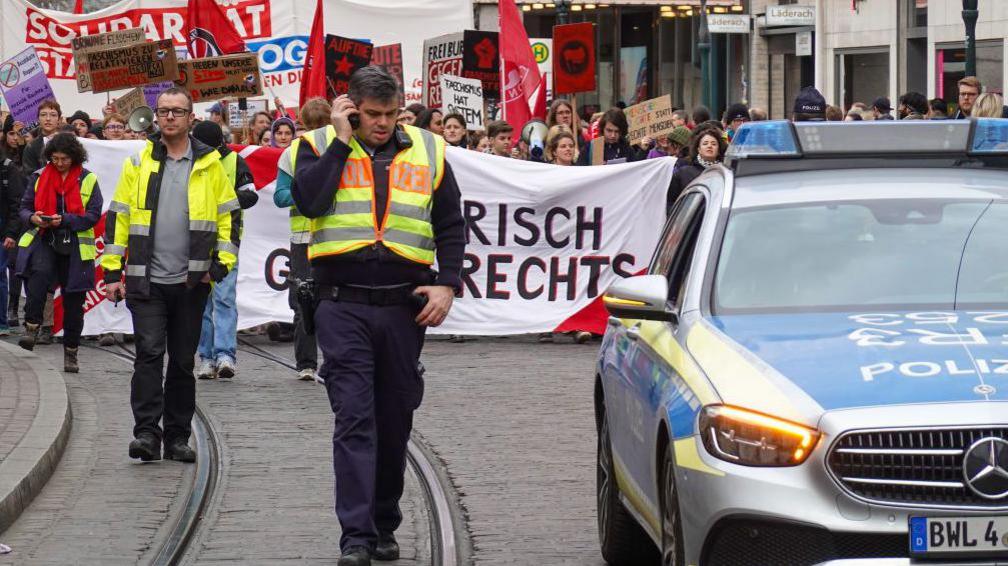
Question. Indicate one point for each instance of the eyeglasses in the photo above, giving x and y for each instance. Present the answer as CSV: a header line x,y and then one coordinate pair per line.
x,y
177,112
968,94
115,127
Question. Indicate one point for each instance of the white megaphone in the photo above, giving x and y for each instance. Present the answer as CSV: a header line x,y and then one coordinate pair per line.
x,y
534,134
141,120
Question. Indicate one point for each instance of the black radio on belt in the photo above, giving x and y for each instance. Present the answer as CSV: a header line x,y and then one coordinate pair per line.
x,y
307,299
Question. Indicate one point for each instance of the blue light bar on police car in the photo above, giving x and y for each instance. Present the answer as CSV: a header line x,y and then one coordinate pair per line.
x,y
775,138
990,135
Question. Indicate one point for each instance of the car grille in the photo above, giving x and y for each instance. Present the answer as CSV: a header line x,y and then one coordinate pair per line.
x,y
910,467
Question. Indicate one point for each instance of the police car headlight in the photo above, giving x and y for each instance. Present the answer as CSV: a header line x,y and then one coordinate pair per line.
x,y
749,438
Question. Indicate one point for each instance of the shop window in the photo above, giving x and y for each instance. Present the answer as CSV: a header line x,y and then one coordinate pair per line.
x,y
864,76
950,61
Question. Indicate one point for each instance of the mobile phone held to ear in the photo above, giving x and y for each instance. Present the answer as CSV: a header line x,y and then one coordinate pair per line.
x,y
354,120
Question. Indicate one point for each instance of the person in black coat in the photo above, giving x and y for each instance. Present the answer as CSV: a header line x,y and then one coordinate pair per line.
x,y
613,146
706,148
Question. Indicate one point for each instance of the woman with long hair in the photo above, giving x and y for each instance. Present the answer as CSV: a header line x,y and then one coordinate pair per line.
x,y
612,145
431,120
706,149
62,204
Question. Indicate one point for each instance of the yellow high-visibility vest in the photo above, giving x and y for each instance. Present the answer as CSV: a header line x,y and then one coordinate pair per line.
x,y
85,238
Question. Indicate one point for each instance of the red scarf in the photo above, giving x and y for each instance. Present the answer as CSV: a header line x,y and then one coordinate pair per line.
x,y
51,183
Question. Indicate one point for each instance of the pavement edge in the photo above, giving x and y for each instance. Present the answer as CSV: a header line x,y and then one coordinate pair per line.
x,y
29,466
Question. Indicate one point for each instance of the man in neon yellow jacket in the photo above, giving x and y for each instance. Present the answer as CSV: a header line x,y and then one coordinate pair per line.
x,y
174,225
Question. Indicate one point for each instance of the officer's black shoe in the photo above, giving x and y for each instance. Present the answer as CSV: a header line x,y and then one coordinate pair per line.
x,y
355,556
387,548
146,447
179,451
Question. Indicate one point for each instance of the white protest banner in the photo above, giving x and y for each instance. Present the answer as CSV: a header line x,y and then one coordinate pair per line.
x,y
544,241
465,97
442,56
24,86
276,30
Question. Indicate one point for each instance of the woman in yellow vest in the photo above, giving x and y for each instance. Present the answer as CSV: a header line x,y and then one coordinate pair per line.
x,y
62,208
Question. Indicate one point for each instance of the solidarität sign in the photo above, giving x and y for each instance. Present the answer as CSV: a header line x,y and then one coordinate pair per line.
x,y
574,58
343,56
24,86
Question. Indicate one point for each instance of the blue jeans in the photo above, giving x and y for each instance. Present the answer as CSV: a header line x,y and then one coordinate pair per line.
x,y
3,287
219,337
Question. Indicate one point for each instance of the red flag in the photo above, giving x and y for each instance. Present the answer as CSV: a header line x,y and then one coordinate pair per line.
x,y
574,58
313,79
79,7
539,108
519,70
208,32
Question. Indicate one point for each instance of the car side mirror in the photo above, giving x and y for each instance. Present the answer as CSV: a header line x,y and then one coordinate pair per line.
x,y
640,297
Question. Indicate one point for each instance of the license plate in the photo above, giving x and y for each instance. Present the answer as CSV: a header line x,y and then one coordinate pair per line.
x,y
947,536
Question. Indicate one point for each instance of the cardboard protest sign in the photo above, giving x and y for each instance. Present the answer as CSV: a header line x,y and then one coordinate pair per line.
x,y
342,57
442,56
133,65
24,86
390,57
84,44
228,76
574,58
127,103
237,118
651,118
464,96
480,50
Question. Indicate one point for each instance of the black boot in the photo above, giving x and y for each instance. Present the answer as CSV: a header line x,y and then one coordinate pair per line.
x,y
146,447
30,336
387,548
179,451
45,336
70,360
355,556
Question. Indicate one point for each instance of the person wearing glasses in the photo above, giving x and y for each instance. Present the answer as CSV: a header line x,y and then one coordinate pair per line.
x,y
61,208
173,225
969,90
114,127
50,117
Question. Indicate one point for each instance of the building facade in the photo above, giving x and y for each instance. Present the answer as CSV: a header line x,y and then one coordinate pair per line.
x,y
851,50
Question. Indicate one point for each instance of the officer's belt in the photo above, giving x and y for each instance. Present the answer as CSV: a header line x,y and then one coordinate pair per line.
x,y
376,296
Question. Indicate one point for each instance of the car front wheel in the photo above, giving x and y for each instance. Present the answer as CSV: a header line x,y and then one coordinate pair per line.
x,y
671,536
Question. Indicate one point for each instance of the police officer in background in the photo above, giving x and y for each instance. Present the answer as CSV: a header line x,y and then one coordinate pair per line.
x,y
384,205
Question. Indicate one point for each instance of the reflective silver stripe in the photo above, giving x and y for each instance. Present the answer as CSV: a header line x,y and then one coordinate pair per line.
x,y
410,239
227,247
198,265
342,234
112,249
139,230
300,238
320,140
246,187
118,207
410,211
135,158
353,207
203,225
227,206
136,270
85,241
429,145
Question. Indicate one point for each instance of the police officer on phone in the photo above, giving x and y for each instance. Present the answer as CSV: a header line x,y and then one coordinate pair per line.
x,y
384,206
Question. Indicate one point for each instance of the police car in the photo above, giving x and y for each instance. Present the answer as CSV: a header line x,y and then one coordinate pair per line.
x,y
814,369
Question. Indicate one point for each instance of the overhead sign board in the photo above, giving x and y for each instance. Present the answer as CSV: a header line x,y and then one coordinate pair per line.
x,y
728,23
790,15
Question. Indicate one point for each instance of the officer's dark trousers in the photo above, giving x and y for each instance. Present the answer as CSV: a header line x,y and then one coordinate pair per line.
x,y
47,270
370,358
169,319
305,346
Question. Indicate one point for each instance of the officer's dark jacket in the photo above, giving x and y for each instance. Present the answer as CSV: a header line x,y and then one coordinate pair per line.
x,y
12,186
316,180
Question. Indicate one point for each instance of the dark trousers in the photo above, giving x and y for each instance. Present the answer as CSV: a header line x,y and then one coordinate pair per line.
x,y
305,345
13,282
169,319
47,270
371,369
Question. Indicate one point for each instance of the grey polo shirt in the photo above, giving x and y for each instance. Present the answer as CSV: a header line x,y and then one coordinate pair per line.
x,y
170,261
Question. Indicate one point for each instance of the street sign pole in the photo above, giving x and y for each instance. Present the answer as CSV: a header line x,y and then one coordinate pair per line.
x,y
970,15
704,45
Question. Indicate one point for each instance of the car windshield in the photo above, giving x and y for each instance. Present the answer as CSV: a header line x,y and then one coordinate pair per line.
x,y
844,255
